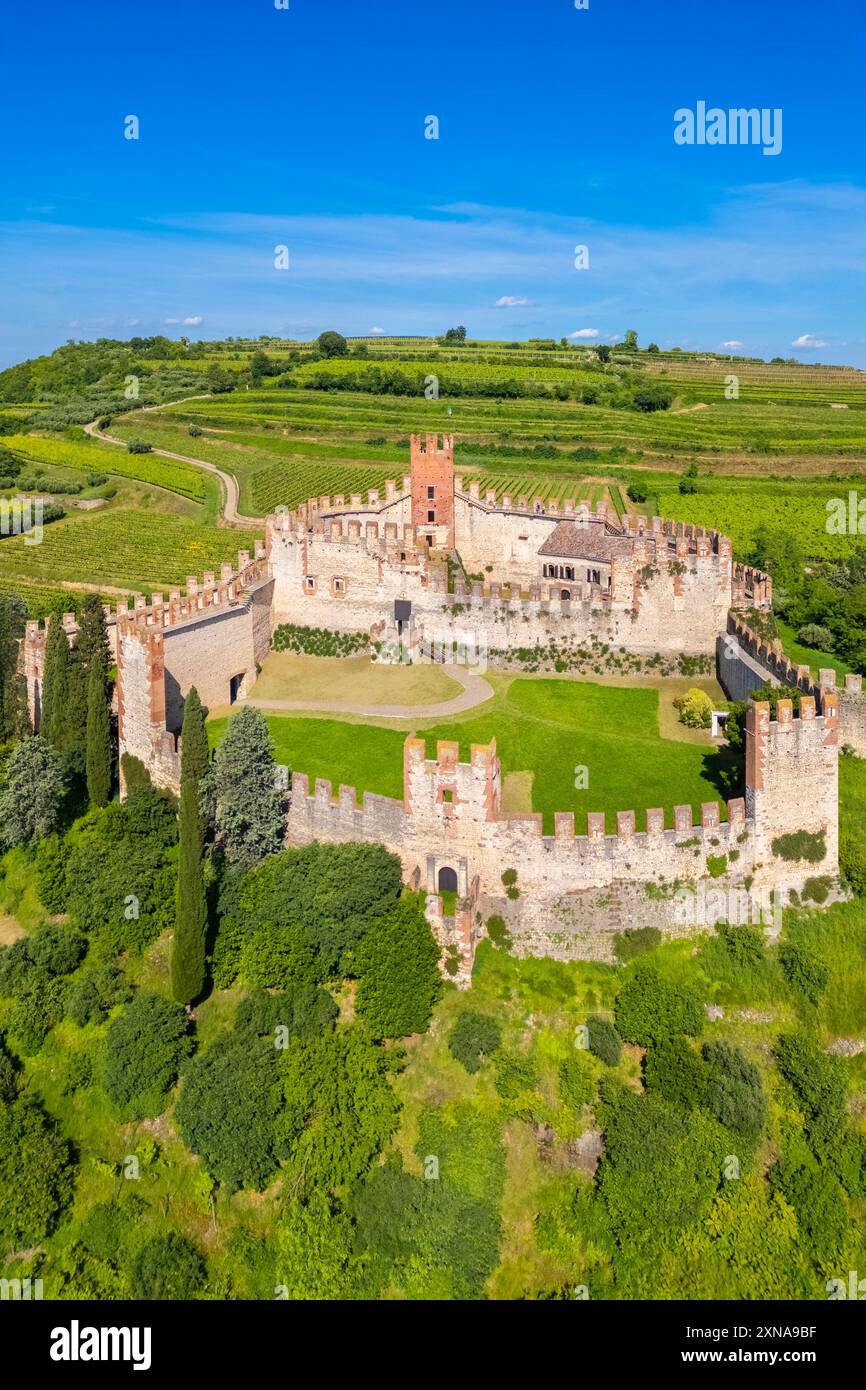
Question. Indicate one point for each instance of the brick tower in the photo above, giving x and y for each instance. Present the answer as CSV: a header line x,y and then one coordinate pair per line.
x,y
433,490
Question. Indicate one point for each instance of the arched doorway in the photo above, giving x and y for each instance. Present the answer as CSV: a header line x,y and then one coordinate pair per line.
x,y
565,594
447,880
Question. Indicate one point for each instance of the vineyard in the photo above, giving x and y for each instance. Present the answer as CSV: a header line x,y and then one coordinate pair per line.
x,y
102,458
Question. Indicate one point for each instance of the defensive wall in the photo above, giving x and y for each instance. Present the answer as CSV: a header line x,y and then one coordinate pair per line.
x,y
450,822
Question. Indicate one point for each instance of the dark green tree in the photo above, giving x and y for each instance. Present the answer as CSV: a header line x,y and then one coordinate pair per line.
x,y
30,800
144,1048
331,344
188,945
98,751
92,637
35,1175
398,964
250,807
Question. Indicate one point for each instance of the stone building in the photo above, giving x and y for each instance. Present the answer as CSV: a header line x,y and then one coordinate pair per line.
x,y
407,561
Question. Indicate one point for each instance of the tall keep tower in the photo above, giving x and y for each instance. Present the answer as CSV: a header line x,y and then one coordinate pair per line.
x,y
433,489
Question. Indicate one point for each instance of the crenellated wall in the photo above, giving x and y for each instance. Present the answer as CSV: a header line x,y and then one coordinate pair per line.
x,y
451,818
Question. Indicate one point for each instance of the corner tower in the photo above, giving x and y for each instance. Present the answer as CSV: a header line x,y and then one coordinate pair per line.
x,y
433,490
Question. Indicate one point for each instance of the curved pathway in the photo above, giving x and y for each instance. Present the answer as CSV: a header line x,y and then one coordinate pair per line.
x,y
229,510
476,690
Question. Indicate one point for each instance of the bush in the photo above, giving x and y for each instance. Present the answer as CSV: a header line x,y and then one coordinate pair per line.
x,y
139,446
194,431
804,971
576,1080
605,1042
498,932
144,1048
513,1074
36,1175
734,1093
818,1081
649,1009
635,941
227,1109
473,1037
677,1072
91,997
695,709
636,492
813,635
398,968
168,1267
802,844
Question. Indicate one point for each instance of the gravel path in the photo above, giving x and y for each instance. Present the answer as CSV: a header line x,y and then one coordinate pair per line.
x,y
231,494
475,691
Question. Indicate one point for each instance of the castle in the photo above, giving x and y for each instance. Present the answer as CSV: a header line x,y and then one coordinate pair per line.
x,y
432,561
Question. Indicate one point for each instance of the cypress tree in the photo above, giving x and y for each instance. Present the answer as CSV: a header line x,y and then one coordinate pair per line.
x,y
56,684
98,749
188,947
92,638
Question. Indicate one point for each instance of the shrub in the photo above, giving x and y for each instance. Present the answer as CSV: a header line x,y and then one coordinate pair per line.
x,y
139,446
695,709
576,1080
513,1073
716,865
144,1047
818,1081
636,492
734,1092
604,1041
36,1175
676,1071
398,966
498,932
635,941
509,878
167,1267
801,844
813,635
804,971
91,997
227,1109
473,1037
650,1009
194,431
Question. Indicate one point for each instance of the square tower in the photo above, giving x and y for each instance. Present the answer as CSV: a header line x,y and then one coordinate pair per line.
x,y
433,490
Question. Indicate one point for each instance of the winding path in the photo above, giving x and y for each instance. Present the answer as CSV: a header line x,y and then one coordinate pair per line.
x,y
229,510
476,690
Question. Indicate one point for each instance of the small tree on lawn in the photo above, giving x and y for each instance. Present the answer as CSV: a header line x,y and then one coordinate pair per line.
x,y
250,807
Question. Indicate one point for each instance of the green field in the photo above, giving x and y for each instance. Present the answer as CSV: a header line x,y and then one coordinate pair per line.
x,y
548,728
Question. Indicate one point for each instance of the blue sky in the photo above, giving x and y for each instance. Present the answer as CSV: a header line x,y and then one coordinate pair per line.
x,y
304,127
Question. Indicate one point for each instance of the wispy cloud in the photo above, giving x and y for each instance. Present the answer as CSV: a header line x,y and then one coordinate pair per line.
x,y
809,340
680,284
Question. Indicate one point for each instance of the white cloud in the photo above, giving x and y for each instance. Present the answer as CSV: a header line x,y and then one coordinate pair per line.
x,y
171,320
584,333
192,320
732,343
808,340
511,301
377,330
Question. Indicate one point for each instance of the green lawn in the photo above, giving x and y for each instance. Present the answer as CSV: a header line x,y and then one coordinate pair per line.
x,y
546,727
809,656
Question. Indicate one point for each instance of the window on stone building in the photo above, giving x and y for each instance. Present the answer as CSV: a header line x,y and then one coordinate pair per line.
x,y
431,516
431,493
339,586
310,582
